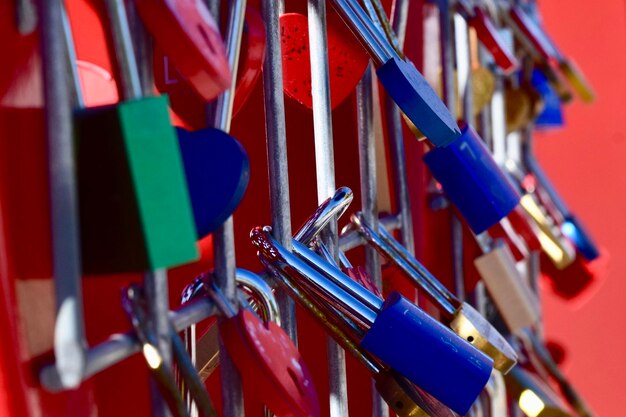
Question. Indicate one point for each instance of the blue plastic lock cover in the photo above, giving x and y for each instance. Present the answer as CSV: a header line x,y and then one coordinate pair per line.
x,y
473,180
575,232
218,171
419,102
552,114
428,353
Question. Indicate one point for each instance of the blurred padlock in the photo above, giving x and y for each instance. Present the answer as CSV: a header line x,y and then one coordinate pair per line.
x,y
217,169
187,33
134,305
523,105
517,304
472,180
489,36
540,352
402,81
552,114
533,396
395,331
463,319
135,211
267,359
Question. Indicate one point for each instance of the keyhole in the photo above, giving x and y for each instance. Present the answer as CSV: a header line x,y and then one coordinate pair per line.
x,y
399,405
205,36
470,339
295,380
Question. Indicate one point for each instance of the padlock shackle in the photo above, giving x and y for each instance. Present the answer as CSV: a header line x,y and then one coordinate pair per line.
x,y
363,28
124,52
332,208
269,250
444,299
332,320
347,284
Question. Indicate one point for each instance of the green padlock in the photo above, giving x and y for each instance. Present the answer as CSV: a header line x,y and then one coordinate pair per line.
x,y
134,205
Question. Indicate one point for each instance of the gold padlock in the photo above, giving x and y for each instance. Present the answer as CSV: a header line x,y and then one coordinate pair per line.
x,y
522,106
553,243
534,397
577,80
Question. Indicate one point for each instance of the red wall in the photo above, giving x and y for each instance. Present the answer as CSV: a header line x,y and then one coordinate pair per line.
x,y
586,161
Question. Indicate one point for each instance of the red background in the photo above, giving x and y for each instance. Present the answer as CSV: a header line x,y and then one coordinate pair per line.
x,y
586,162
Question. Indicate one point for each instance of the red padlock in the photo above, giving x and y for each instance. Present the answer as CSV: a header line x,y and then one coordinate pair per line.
x,y
187,33
270,364
185,102
347,59
493,42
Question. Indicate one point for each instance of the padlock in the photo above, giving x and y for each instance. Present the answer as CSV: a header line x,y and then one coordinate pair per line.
x,y
472,180
463,319
533,396
267,359
559,250
552,114
217,169
402,81
185,102
347,60
160,369
187,33
523,105
575,232
134,205
489,36
396,331
537,349
517,304
403,398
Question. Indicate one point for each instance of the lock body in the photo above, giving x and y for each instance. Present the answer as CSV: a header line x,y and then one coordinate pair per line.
x,y
135,209
472,180
217,171
418,101
428,353
515,301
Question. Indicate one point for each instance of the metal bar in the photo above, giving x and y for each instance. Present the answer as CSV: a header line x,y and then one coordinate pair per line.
x,y
360,24
396,142
26,16
223,237
77,93
367,166
123,345
277,151
325,169
69,334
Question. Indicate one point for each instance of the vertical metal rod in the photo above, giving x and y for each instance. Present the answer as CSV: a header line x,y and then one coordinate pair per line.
x,y
224,239
396,142
77,93
276,134
69,332
447,83
367,165
155,282
325,169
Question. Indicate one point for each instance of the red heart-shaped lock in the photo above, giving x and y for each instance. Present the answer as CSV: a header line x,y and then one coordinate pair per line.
x,y
347,59
270,365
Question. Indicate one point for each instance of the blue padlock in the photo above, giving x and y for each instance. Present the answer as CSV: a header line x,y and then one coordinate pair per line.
x,y
218,171
418,101
402,81
552,114
398,333
575,232
473,181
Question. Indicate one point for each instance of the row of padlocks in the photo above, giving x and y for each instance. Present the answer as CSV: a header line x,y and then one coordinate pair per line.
x,y
177,236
